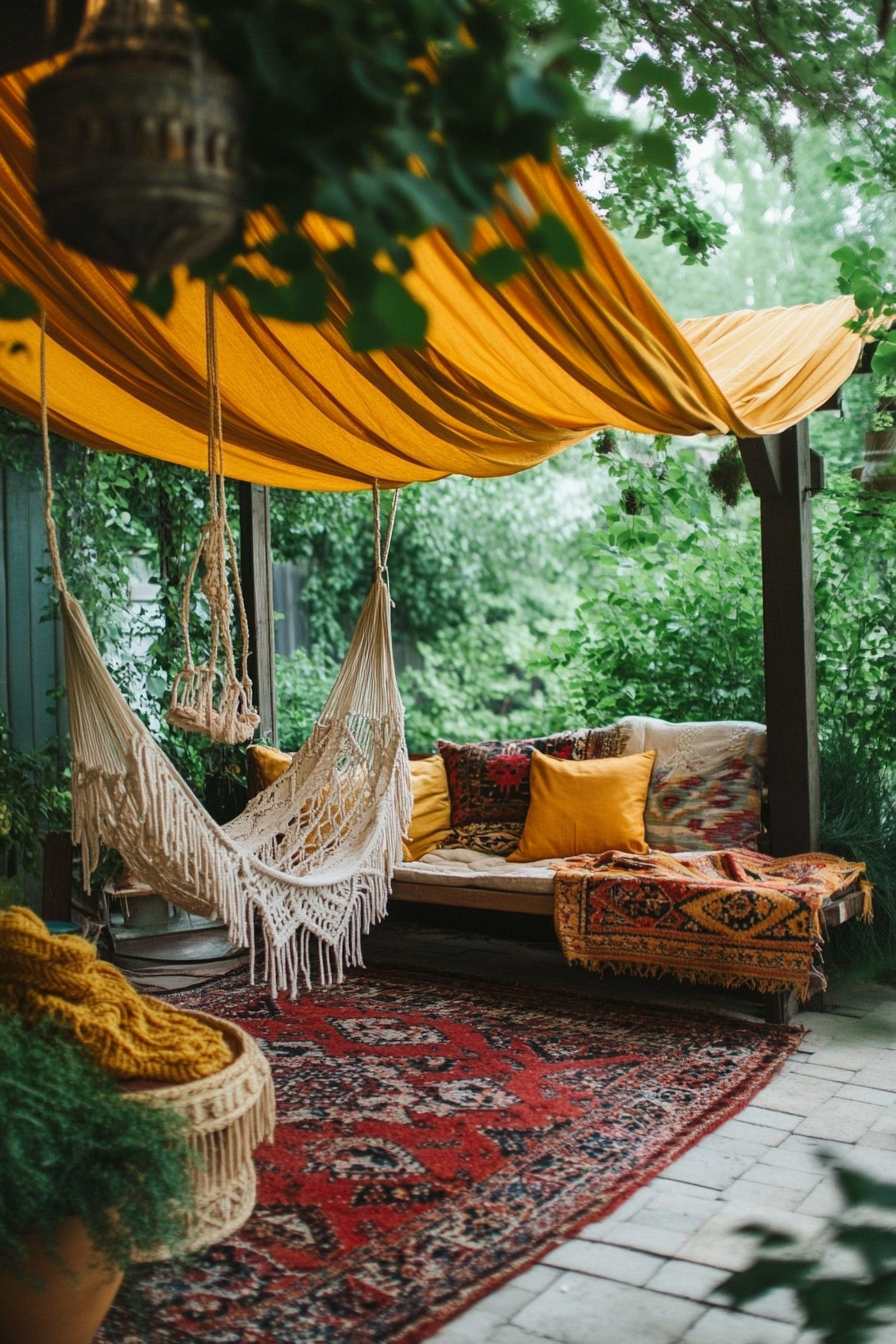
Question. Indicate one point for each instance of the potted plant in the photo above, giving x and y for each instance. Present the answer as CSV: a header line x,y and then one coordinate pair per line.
x,y
35,802
878,471
88,1176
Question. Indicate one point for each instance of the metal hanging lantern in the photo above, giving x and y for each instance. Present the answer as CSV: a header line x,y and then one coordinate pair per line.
x,y
139,146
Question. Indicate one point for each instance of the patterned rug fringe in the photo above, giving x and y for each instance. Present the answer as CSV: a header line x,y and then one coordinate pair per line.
x,y
867,914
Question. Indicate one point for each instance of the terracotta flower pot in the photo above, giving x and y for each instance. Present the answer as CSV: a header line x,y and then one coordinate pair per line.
x,y
70,1303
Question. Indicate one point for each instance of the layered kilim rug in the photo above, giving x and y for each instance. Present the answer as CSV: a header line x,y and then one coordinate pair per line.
x,y
723,917
436,1136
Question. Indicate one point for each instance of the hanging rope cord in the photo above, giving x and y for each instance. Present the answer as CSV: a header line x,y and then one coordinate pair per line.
x,y
193,694
217,544
380,547
49,524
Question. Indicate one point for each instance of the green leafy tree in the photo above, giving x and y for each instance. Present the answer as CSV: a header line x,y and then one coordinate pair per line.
x,y
671,618
482,573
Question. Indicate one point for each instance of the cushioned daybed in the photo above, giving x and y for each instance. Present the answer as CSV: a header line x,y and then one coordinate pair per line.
x,y
665,818
473,808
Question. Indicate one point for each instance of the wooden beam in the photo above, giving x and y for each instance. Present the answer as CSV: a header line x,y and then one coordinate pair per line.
x,y
473,898
762,462
789,639
833,403
258,593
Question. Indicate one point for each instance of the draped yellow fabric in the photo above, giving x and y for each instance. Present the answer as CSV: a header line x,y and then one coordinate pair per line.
x,y
507,378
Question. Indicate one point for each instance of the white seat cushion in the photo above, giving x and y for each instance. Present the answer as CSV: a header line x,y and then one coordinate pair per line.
x,y
470,868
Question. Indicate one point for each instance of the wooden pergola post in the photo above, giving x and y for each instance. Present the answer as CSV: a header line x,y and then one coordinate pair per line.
x,y
785,472
258,593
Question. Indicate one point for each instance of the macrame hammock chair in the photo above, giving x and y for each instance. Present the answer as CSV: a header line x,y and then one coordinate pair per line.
x,y
312,856
193,708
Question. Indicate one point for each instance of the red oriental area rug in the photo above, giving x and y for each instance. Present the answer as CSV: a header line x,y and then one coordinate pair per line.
x,y
436,1136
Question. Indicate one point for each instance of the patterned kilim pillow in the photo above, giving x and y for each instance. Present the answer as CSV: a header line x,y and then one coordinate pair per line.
x,y
706,787
489,782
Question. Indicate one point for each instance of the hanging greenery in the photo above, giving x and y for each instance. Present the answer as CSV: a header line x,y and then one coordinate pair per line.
x,y
34,798
402,116
726,477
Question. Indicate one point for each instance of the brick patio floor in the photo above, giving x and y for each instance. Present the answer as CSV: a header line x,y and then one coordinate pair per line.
x,y
647,1274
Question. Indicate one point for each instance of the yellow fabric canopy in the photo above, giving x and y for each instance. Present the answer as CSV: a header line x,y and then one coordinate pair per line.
x,y
508,376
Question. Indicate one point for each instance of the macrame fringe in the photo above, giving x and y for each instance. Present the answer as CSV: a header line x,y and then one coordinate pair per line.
x,y
867,901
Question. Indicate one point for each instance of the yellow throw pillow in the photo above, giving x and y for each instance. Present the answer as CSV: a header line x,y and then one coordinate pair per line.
x,y
585,807
265,766
431,817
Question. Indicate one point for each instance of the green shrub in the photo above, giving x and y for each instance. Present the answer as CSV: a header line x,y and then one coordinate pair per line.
x,y
855,620
858,821
484,680
304,680
73,1146
33,798
670,622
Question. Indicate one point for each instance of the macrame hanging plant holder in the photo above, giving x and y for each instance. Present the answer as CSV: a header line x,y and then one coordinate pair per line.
x,y
209,697
310,860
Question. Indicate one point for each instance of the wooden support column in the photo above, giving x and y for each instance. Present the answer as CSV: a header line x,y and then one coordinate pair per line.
x,y
258,593
784,473
56,898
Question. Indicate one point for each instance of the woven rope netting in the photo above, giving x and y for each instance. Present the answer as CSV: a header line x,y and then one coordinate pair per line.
x,y
207,698
312,855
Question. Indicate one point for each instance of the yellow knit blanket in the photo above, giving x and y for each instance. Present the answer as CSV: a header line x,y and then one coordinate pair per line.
x,y
130,1035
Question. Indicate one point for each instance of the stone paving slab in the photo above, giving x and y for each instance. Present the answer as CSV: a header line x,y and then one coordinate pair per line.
x,y
732,1327
579,1309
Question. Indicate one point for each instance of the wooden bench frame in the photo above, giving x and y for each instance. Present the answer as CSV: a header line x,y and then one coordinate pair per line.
x,y
779,1007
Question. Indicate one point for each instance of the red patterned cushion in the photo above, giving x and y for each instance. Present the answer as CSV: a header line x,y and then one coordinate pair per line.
x,y
489,782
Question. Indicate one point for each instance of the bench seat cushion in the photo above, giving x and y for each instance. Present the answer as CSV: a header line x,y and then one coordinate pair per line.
x,y
470,868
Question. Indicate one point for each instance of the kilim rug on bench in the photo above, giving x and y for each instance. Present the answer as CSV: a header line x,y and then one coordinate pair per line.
x,y
732,917
437,1135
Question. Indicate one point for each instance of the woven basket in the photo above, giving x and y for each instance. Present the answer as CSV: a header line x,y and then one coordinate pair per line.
x,y
229,1114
